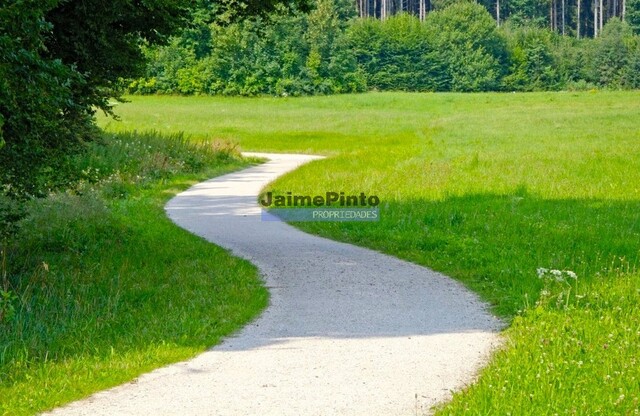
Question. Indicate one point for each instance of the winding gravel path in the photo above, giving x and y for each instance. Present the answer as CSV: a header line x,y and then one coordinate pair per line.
x,y
349,331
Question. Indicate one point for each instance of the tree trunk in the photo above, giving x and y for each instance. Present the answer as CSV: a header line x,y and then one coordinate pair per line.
x,y
563,1
601,15
595,18
498,12
578,22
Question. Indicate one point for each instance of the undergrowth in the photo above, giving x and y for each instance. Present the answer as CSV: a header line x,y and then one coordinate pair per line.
x,y
98,286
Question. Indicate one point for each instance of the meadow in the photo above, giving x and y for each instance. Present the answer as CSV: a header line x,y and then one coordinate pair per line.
x,y
98,286
489,189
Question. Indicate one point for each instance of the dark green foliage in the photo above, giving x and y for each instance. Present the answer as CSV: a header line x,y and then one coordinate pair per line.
x,y
633,68
284,54
59,61
633,15
533,65
528,12
396,54
571,60
42,117
10,212
611,54
102,39
226,11
457,48
467,40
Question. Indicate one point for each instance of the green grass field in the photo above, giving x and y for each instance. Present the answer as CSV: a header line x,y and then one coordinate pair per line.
x,y
486,188
107,287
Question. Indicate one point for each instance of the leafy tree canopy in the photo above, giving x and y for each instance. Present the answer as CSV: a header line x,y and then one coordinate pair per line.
x,y
62,59
101,39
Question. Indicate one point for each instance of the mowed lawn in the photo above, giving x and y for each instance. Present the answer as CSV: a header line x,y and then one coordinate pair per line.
x,y
486,188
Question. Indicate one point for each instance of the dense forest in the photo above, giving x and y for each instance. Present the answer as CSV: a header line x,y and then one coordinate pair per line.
x,y
338,46
569,17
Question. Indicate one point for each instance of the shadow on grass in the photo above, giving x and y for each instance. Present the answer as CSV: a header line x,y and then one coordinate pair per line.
x,y
495,243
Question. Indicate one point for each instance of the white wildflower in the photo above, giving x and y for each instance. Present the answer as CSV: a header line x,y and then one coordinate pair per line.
x,y
572,275
557,274
541,272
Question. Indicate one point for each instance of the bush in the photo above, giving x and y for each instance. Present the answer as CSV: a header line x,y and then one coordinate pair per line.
x,y
395,54
10,212
532,64
464,37
59,61
284,54
327,51
632,76
611,54
572,58
633,15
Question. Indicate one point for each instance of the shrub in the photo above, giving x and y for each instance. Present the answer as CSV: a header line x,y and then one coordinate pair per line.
x,y
59,61
465,39
395,54
10,212
282,54
611,54
532,63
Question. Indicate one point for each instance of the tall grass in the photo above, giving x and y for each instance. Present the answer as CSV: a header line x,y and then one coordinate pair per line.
x,y
103,286
581,359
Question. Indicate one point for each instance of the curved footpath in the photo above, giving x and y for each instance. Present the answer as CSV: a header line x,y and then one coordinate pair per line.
x,y
349,331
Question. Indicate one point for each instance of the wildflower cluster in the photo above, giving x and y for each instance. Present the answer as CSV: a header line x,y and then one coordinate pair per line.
x,y
558,285
557,275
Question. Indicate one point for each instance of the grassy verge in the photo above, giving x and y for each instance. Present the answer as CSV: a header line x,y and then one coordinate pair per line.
x,y
486,188
105,286
581,359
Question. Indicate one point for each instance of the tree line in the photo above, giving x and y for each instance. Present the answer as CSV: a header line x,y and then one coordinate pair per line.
x,y
331,49
577,18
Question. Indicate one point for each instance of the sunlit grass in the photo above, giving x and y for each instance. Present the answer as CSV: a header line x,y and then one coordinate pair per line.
x,y
582,360
107,286
484,187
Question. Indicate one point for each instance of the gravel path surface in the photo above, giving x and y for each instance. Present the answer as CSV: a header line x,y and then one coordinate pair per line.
x,y
349,331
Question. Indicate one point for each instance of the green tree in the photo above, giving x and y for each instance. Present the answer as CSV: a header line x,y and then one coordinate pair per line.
x,y
59,60
40,114
396,54
533,66
528,12
465,38
611,54
328,59
102,39
633,15
228,11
